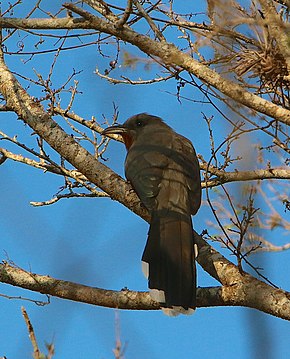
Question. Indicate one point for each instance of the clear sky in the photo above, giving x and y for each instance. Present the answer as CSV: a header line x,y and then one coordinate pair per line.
x,y
99,242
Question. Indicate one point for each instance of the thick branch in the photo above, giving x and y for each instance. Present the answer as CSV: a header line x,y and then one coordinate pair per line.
x,y
124,299
70,23
172,56
238,289
33,114
45,24
167,52
241,288
236,176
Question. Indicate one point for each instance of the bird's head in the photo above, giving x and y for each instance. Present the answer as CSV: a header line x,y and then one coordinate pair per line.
x,y
134,127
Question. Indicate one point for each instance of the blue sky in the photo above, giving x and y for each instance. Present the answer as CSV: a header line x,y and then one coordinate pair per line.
x,y
99,242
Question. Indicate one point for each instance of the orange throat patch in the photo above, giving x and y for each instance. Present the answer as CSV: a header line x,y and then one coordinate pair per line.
x,y
128,140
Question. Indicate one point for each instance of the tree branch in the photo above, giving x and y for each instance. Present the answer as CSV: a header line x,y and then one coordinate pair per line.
x,y
126,14
236,176
238,289
167,52
33,114
172,56
242,289
65,23
151,23
36,351
277,28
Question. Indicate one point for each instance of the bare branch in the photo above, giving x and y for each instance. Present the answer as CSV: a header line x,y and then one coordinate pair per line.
x,y
126,14
40,165
32,113
103,8
45,24
68,195
226,177
171,55
36,351
238,289
128,81
151,23
89,124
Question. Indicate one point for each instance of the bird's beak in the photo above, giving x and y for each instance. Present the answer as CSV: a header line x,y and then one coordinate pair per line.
x,y
114,130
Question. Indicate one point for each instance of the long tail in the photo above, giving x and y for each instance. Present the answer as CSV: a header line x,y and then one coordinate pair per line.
x,y
170,255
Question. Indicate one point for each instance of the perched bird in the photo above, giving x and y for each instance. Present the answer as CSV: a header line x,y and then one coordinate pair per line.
x,y
163,169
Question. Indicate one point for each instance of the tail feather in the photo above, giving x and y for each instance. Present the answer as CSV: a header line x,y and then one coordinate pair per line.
x,y
170,255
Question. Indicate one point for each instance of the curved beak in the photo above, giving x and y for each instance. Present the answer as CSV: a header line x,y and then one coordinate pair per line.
x,y
114,130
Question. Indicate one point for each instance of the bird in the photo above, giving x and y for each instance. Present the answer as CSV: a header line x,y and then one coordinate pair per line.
x,y
163,169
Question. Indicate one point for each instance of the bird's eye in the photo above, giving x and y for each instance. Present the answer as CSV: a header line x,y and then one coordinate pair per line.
x,y
139,123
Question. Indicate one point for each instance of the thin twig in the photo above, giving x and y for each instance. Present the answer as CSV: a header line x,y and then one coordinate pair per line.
x,y
126,15
151,23
69,195
36,351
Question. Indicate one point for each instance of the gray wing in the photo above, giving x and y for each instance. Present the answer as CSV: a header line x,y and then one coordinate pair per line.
x,y
152,167
187,159
144,168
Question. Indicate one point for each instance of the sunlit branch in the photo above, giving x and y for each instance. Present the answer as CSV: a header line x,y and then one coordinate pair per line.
x,y
128,81
58,197
171,55
237,290
261,174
